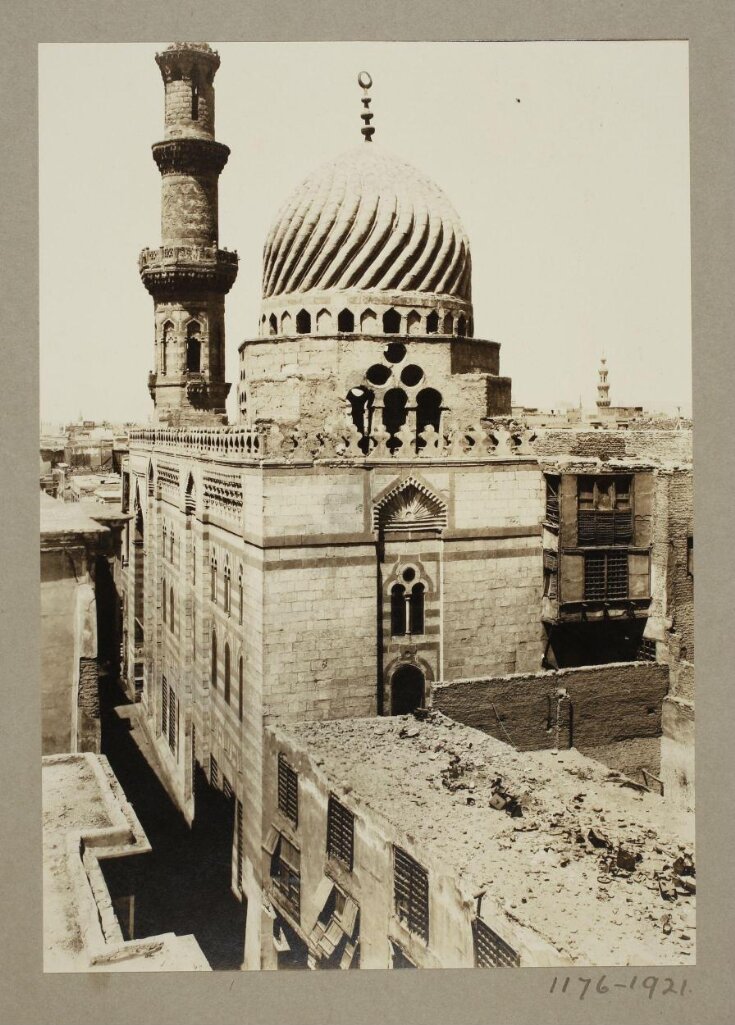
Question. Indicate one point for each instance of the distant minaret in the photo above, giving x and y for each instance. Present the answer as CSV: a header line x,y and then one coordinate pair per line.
x,y
603,388
189,276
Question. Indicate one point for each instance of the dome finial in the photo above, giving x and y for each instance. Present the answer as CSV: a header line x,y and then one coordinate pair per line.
x,y
365,82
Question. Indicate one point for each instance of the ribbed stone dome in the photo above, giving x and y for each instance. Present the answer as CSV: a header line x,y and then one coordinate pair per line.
x,y
367,222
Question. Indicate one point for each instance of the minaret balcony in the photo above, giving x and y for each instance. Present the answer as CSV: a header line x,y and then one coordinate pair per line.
x,y
170,271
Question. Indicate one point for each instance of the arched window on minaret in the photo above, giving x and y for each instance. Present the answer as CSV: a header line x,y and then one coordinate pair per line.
x,y
194,96
193,347
167,339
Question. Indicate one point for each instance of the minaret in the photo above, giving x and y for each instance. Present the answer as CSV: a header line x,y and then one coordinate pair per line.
x,y
603,388
189,276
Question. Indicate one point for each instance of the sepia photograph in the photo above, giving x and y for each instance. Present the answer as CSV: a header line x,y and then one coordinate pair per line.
x,y
366,506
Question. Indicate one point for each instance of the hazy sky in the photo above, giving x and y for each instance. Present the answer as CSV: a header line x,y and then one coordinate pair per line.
x,y
567,162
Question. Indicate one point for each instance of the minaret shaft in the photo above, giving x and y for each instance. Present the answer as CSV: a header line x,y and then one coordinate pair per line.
x,y
188,276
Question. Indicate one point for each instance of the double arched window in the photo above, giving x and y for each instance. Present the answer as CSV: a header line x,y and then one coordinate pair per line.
x,y
407,601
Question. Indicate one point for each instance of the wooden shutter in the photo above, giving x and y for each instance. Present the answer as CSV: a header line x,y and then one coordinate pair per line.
x,y
644,494
571,582
568,511
639,575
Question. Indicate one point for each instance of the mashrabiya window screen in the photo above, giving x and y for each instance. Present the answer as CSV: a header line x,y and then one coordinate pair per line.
x,y
605,575
490,950
288,790
411,893
340,832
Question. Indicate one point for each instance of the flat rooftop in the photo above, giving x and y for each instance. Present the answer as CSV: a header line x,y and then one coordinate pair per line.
x,y
86,817
59,517
555,869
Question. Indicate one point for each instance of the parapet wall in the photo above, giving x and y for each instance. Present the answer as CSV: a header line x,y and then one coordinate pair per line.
x,y
662,445
611,712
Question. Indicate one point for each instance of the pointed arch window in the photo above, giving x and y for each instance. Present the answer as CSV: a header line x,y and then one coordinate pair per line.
x,y
227,674
391,322
303,322
345,322
193,347
398,611
228,579
416,609
171,610
167,339
213,580
164,598
214,660
240,600
239,689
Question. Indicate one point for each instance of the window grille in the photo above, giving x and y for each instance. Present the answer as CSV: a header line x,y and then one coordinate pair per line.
x,y
164,705
227,788
173,720
213,771
286,874
490,950
288,790
340,832
239,845
647,650
411,893
605,575
552,499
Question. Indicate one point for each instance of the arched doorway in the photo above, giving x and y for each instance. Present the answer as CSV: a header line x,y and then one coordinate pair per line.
x,y
406,690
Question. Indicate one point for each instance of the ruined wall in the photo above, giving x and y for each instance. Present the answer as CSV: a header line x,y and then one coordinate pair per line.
x,y
612,712
677,741
664,445
680,581
69,682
